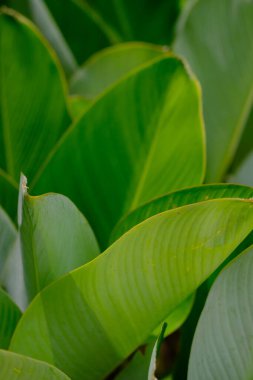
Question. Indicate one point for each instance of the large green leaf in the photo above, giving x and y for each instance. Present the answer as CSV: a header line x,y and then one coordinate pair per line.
x,y
135,284
56,238
223,342
18,367
9,316
216,38
74,29
106,67
177,199
33,113
143,138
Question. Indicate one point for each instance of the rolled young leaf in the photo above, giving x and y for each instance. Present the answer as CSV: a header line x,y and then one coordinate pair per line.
x,y
223,341
141,139
213,36
112,304
18,367
34,116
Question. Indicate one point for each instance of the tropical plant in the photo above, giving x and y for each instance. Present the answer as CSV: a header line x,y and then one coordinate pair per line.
x,y
137,260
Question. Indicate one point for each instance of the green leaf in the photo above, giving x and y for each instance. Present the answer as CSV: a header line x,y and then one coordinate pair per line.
x,y
178,199
143,138
223,342
108,66
213,36
34,116
18,367
142,20
112,304
8,194
56,238
74,29
9,316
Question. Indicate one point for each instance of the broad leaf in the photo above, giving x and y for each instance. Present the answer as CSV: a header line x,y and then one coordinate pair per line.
x,y
9,316
18,367
77,105
108,66
223,342
135,284
34,116
216,38
141,139
177,199
56,238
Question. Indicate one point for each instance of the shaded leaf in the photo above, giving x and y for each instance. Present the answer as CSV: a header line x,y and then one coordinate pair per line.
x,y
176,251
155,353
9,316
8,194
223,343
215,54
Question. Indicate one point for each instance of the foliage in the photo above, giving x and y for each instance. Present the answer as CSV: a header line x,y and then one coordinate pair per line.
x,y
128,112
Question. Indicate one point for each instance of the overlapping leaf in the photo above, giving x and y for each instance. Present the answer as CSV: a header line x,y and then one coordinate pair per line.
x,y
108,66
143,138
216,38
180,198
223,342
135,284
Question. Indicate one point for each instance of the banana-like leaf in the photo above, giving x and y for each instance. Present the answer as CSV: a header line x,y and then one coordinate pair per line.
x,y
56,238
74,29
213,36
112,304
18,367
108,66
223,342
177,199
143,138
33,116
8,194
9,316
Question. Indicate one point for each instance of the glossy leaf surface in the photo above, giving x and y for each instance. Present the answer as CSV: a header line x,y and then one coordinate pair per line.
x,y
216,39
156,148
136,283
223,343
